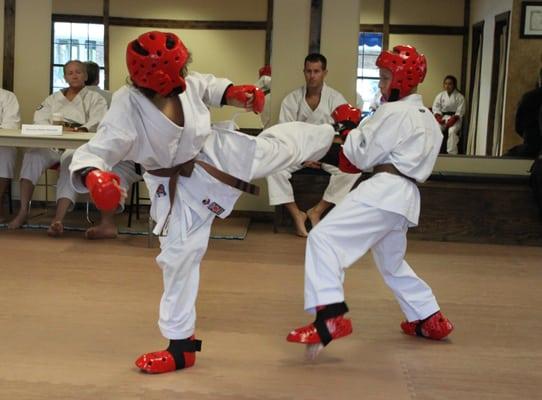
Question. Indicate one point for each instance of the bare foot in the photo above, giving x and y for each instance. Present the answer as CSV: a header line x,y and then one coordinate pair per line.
x,y
56,229
313,216
312,351
101,232
18,221
299,222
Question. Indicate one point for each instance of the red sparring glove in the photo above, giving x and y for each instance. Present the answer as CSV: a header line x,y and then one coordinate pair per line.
x,y
451,121
246,96
346,118
104,189
438,117
345,165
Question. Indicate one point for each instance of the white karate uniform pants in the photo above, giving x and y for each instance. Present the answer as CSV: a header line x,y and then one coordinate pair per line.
x,y
281,191
453,135
64,189
345,235
188,234
36,161
7,162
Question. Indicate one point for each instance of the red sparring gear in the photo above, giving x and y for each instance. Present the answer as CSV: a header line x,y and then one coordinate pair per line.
x,y
240,95
438,117
345,165
155,61
104,189
265,70
347,117
338,327
436,327
407,66
159,362
451,121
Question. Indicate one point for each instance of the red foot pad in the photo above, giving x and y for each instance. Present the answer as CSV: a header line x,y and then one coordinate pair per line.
x,y
435,327
338,327
157,362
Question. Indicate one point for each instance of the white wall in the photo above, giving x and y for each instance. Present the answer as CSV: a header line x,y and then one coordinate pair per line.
x,y
485,10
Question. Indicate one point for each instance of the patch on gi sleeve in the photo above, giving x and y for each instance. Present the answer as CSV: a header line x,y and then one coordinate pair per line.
x,y
215,208
160,191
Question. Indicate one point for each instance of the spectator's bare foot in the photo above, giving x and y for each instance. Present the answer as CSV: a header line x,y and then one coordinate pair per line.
x,y
18,221
313,216
56,229
101,231
299,222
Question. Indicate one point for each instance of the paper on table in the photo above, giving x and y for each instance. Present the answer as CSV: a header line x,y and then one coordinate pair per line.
x,y
41,130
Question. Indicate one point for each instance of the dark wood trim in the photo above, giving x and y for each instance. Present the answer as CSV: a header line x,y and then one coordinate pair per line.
x,y
162,23
315,29
465,49
386,26
8,70
106,42
415,29
269,32
501,21
84,19
188,24
477,36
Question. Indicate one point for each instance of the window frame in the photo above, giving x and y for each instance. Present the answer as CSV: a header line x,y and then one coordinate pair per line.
x,y
361,77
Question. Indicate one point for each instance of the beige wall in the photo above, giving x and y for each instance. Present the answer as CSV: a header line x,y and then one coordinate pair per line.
x,y
339,43
87,7
442,60
523,67
371,11
423,12
32,54
236,10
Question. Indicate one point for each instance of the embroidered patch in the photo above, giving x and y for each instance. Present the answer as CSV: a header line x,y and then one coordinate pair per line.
x,y
161,191
215,208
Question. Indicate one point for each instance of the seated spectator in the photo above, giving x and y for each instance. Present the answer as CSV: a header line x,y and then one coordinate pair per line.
x,y
449,110
9,119
81,110
313,103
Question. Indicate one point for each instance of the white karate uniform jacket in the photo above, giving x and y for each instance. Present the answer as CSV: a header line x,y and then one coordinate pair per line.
x,y
9,119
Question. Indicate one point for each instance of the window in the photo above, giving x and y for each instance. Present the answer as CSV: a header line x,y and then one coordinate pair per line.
x,y
76,41
369,47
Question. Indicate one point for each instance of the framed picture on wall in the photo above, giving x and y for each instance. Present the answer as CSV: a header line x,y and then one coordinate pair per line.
x,y
531,20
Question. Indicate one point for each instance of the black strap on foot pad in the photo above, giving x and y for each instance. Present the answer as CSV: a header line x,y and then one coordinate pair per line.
x,y
420,325
329,311
177,347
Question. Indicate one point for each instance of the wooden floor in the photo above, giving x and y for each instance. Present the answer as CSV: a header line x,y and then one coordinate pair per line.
x,y
75,314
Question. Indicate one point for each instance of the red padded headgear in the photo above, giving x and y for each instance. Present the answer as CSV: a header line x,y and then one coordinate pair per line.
x,y
265,70
407,66
155,61
347,112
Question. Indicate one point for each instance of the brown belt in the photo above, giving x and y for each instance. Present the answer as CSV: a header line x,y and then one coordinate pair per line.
x,y
390,169
186,169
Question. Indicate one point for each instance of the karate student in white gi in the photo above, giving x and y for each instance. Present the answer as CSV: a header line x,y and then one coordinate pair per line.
x,y
311,103
80,110
449,110
400,142
106,228
9,119
193,172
